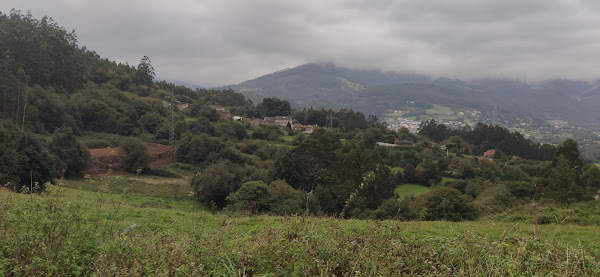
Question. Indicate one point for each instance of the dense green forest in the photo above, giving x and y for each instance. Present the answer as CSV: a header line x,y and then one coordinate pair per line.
x,y
58,99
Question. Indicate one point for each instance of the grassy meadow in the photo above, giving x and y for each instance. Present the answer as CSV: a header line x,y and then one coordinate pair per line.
x,y
407,189
90,228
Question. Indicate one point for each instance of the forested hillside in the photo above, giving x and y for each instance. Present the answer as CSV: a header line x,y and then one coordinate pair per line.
x,y
58,99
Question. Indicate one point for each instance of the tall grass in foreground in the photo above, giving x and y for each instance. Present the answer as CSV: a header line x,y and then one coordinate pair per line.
x,y
98,235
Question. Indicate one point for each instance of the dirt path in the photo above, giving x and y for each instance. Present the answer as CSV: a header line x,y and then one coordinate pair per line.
x,y
105,161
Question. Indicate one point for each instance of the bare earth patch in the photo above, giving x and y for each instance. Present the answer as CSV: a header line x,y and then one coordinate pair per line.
x,y
105,161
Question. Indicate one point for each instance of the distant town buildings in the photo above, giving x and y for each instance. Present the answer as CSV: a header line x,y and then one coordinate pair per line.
x,y
463,118
558,123
400,123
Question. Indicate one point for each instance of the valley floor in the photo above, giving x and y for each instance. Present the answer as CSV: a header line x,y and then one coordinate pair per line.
x,y
72,230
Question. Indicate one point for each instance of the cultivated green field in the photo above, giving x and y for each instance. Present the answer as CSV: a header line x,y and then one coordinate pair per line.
x,y
87,229
438,110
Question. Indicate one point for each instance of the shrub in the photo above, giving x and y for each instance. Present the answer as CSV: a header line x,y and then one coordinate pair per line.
x,y
251,194
531,170
591,177
25,160
10,157
460,185
359,209
286,199
74,156
513,173
134,154
100,140
216,182
427,173
198,149
152,122
444,203
473,188
521,190
496,199
410,207
388,209
182,166
273,135
160,172
91,144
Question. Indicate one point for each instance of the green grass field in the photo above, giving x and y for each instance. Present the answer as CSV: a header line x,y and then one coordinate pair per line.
x,y
175,188
438,109
287,139
86,229
446,180
407,189
189,119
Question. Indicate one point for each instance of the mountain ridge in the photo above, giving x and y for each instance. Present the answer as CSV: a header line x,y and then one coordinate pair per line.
x,y
331,86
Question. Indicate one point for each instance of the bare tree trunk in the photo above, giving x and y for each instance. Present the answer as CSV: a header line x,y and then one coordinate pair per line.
x,y
24,107
18,99
4,104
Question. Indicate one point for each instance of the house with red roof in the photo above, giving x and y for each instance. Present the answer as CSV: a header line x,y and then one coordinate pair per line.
x,y
490,153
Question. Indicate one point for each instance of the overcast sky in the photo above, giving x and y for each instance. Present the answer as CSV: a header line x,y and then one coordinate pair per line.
x,y
221,42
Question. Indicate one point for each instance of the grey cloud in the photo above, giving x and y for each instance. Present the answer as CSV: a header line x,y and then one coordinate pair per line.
x,y
221,42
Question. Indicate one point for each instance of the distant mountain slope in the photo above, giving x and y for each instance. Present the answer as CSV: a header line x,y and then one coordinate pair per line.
x,y
372,92
320,86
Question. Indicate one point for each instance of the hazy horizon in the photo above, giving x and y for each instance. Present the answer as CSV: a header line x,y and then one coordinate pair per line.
x,y
216,43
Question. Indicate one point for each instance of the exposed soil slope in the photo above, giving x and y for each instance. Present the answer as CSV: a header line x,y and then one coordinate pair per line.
x,y
105,161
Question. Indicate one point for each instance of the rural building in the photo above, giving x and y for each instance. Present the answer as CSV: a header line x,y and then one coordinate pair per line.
x,y
281,121
179,105
257,122
221,112
385,144
489,154
307,129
